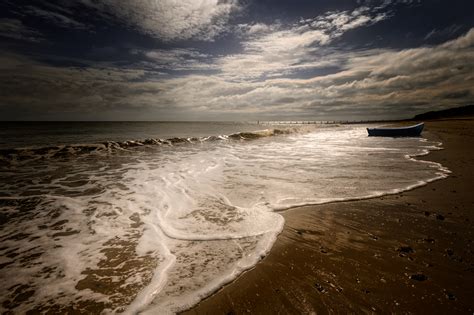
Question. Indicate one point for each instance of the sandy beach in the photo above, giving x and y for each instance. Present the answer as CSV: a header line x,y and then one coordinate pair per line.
x,y
404,253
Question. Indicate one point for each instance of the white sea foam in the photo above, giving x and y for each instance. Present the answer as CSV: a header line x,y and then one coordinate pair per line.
x,y
189,218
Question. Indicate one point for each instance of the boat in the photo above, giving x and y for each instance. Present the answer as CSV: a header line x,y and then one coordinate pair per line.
x,y
409,131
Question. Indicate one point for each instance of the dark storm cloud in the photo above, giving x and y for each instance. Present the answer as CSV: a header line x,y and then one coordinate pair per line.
x,y
15,29
233,59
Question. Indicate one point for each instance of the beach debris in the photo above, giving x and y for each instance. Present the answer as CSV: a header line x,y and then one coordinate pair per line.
x,y
418,277
323,249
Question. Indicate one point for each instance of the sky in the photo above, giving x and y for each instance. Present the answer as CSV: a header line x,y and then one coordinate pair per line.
x,y
234,59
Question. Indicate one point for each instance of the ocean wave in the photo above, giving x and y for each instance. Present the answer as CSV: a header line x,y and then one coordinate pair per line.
x,y
27,154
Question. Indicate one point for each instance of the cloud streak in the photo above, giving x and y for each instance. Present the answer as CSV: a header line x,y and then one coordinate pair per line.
x,y
15,29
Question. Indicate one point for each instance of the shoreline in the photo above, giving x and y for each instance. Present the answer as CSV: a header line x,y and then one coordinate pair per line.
x,y
327,256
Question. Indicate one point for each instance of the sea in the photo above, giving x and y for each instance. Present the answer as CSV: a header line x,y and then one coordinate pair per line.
x,y
152,217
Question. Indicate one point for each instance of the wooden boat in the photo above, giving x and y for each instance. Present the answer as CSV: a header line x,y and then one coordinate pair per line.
x,y
410,131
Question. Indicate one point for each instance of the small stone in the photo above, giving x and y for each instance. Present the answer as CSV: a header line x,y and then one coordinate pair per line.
x,y
320,288
418,277
427,213
450,295
405,250
440,217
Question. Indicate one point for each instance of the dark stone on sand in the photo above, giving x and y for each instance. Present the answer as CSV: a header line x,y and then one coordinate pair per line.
x,y
429,240
449,251
405,250
418,277
450,295
440,217
427,213
320,288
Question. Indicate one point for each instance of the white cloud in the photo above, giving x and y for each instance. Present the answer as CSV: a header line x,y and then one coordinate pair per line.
x,y
256,29
273,50
170,19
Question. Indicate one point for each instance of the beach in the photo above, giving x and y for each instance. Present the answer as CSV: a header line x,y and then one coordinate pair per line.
x,y
158,225
409,252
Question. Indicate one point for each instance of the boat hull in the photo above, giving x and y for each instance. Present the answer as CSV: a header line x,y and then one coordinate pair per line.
x,y
410,131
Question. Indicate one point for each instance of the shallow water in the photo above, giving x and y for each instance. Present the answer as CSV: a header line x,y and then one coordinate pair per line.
x,y
155,226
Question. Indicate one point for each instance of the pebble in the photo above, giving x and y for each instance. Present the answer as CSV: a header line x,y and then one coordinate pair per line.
x,y
320,288
418,277
450,295
405,250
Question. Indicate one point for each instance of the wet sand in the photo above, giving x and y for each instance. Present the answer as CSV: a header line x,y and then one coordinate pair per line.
x,y
405,253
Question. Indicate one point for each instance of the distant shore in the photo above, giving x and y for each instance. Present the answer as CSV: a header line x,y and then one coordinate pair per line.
x,y
409,252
